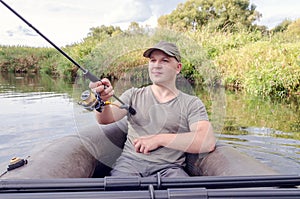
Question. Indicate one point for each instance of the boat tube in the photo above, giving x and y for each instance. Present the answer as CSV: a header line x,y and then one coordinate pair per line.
x,y
94,149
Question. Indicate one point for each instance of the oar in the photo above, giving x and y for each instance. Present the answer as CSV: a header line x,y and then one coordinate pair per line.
x,y
199,193
139,183
86,73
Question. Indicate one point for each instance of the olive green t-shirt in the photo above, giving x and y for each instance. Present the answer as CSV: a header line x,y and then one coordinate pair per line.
x,y
152,117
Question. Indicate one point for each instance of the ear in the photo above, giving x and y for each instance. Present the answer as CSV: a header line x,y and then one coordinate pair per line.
x,y
179,67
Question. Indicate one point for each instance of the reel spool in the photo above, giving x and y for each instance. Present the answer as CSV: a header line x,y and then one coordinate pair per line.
x,y
88,100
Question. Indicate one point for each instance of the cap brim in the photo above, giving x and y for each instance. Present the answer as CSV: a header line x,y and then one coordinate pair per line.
x,y
148,52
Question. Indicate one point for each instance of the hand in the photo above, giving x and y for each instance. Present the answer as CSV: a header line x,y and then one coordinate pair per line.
x,y
145,144
103,88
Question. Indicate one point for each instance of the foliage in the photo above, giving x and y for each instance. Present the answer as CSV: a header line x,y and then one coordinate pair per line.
x,y
282,26
119,54
218,14
264,68
293,30
217,43
224,46
22,59
27,59
101,33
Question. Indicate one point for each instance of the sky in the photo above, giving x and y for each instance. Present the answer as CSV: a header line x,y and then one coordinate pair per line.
x,y
67,22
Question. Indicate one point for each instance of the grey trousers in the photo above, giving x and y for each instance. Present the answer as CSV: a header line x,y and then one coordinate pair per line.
x,y
126,166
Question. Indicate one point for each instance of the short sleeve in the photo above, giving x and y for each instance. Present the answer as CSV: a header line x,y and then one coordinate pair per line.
x,y
126,96
197,111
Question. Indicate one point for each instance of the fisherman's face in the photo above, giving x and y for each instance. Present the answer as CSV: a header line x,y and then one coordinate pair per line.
x,y
163,69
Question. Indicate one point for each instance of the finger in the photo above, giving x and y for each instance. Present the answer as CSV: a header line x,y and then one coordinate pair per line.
x,y
106,82
106,95
93,85
142,148
98,89
147,152
106,90
137,147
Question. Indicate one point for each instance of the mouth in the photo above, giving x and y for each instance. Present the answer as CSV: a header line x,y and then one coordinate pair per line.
x,y
156,73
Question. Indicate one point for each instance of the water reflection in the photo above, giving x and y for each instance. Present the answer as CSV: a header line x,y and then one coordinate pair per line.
x,y
34,111
263,128
264,114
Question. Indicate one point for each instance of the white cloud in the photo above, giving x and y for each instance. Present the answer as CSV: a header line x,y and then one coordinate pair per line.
x,y
275,11
69,21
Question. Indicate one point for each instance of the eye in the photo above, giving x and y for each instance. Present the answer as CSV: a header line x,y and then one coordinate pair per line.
x,y
165,60
152,60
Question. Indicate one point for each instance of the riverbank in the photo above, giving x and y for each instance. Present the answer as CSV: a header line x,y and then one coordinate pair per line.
x,y
257,63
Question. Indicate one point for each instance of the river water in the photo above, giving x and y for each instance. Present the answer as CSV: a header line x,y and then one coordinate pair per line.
x,y
35,110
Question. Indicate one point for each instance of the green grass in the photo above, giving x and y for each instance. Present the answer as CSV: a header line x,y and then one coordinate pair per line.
x,y
262,68
257,63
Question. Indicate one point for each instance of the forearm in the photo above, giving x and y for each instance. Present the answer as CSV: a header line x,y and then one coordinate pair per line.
x,y
104,117
200,141
109,114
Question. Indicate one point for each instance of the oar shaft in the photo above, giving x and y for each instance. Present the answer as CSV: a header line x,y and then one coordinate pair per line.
x,y
137,183
200,193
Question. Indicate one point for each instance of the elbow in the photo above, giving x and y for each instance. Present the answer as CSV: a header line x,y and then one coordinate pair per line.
x,y
205,147
101,120
211,147
104,122
210,143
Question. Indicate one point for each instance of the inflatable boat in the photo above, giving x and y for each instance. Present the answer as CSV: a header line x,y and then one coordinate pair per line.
x,y
77,166
93,150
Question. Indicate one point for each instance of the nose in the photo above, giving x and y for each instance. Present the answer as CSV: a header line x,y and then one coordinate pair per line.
x,y
156,64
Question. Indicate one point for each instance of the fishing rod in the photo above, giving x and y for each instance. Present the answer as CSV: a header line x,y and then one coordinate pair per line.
x,y
86,72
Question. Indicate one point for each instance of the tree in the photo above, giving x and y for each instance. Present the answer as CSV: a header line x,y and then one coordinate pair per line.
x,y
134,28
294,28
217,14
282,26
103,32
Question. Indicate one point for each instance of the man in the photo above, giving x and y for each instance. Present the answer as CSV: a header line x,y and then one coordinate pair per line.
x,y
167,122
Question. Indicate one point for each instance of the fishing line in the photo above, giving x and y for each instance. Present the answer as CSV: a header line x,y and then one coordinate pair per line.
x,y
86,73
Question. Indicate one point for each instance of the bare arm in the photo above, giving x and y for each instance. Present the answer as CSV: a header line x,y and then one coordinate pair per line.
x,y
201,139
110,113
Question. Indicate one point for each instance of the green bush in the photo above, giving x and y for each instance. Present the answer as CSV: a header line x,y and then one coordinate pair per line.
x,y
263,68
117,55
257,62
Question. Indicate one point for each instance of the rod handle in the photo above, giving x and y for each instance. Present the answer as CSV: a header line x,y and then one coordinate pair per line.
x,y
90,76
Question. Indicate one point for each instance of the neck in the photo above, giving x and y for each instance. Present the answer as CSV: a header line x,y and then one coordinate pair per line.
x,y
163,93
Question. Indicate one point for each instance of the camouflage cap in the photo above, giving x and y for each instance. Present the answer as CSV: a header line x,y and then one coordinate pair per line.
x,y
167,47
